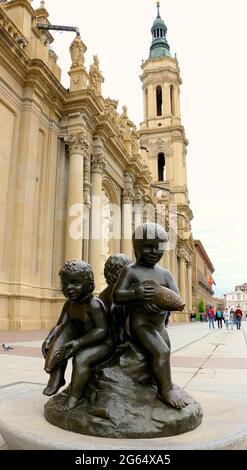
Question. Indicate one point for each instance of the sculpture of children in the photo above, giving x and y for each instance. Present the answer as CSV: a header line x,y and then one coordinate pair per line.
x,y
82,332
135,289
113,266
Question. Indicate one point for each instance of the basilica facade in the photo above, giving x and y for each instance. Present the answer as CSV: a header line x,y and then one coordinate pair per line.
x,y
77,176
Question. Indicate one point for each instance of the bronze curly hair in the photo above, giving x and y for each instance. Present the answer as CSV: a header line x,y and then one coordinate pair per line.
x,y
82,267
113,266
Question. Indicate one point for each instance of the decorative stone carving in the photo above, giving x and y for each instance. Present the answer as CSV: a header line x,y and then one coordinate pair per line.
x,y
111,110
98,161
124,128
135,136
86,181
138,198
95,76
128,191
181,253
77,141
77,51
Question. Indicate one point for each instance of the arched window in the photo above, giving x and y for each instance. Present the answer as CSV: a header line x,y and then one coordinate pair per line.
x,y
161,167
159,100
146,103
172,99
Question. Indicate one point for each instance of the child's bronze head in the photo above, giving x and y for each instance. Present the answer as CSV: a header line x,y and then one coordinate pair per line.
x,y
77,280
113,266
149,243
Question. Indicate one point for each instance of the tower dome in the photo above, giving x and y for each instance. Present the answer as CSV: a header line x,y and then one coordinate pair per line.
x,y
159,46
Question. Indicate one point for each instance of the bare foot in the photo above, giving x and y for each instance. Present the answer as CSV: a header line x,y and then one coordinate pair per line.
x,y
69,404
53,386
173,398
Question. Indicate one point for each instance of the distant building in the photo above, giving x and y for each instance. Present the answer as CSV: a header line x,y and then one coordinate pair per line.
x,y
238,297
219,303
202,270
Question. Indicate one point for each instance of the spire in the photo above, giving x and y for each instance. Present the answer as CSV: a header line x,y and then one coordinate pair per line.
x,y
159,46
158,9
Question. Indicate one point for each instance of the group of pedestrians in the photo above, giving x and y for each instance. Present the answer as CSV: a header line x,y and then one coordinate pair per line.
x,y
230,317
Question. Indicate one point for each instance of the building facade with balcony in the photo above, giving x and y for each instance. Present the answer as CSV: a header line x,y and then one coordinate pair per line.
x,y
202,270
237,297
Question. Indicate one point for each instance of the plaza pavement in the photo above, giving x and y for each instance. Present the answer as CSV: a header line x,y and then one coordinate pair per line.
x,y
211,362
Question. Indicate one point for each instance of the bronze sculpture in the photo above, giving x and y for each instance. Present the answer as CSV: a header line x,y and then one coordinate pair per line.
x,y
121,381
118,315
141,287
82,332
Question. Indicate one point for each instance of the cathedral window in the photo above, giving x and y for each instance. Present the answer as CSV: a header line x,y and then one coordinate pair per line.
x,y
172,99
161,167
146,103
159,100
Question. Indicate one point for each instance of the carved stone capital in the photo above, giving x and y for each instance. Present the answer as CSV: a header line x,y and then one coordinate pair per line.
x,y
98,163
182,254
138,196
127,195
77,142
86,193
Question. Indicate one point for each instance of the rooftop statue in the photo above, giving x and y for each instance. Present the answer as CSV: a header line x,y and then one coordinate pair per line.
x,y
95,76
77,51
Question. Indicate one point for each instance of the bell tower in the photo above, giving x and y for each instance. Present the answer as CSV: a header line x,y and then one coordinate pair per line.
x,y
163,145
162,134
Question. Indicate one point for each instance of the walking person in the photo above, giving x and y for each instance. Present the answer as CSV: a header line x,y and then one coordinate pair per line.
x,y
219,317
226,316
232,318
210,317
238,317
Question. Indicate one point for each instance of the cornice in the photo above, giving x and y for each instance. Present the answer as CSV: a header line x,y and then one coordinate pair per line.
x,y
199,246
84,101
24,3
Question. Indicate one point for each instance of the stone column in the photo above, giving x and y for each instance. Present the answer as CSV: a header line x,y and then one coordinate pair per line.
x,y
189,266
151,101
127,199
138,205
73,237
182,267
166,99
172,264
97,168
177,101
86,206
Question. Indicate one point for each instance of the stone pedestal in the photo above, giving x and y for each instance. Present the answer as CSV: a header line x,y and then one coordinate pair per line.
x,y
23,426
118,407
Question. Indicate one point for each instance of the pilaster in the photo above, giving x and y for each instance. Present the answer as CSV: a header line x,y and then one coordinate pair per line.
x,y
182,273
78,145
97,168
127,202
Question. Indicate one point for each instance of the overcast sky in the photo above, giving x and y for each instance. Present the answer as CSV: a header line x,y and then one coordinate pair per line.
x,y
210,39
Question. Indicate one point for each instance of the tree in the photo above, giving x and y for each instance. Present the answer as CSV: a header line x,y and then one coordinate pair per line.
x,y
202,306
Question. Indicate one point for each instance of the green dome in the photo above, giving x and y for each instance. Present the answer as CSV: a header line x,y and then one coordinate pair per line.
x,y
159,46
158,23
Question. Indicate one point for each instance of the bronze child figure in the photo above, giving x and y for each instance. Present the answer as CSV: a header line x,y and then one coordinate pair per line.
x,y
139,289
117,314
82,332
